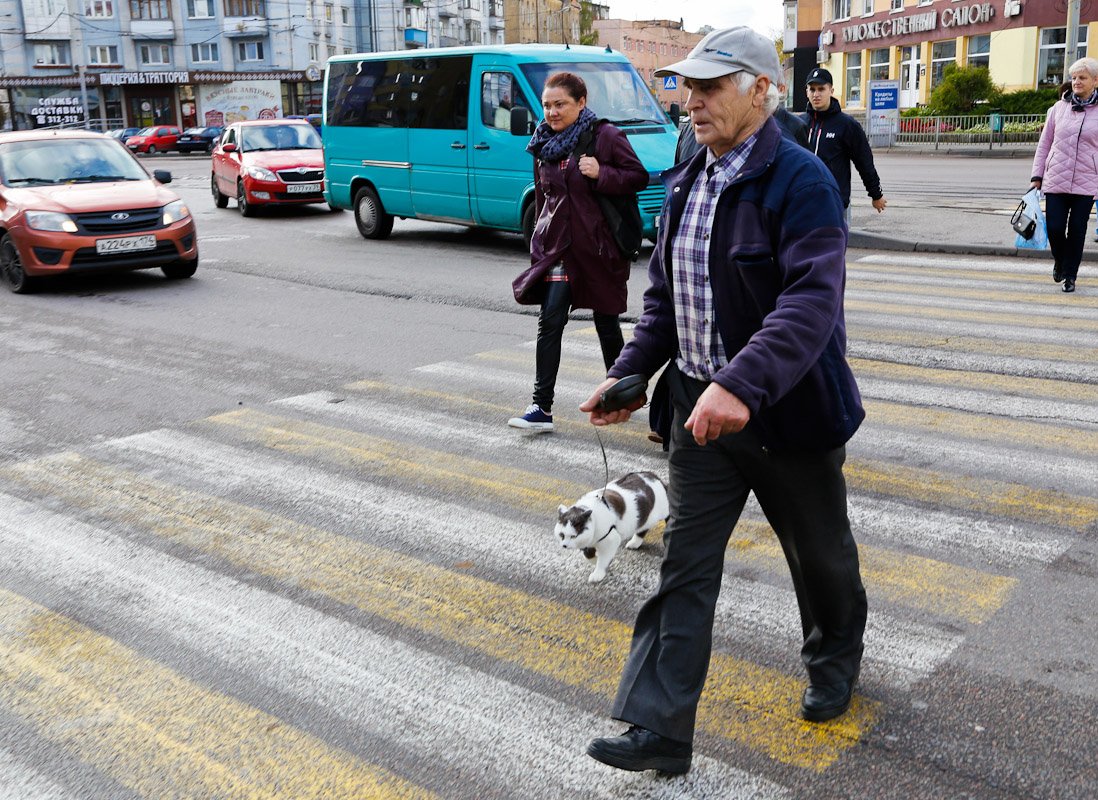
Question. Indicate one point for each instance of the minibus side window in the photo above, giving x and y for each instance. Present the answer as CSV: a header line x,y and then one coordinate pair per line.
x,y
439,92
372,94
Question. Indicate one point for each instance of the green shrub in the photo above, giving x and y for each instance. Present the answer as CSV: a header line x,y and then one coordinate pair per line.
x,y
1028,101
962,88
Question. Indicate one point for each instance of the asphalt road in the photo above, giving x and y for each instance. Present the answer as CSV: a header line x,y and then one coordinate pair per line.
x,y
266,533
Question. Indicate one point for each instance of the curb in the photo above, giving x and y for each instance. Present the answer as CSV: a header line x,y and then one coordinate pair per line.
x,y
863,240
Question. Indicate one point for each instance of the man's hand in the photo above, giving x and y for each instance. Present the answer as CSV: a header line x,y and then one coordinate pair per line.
x,y
589,167
716,413
600,417
880,204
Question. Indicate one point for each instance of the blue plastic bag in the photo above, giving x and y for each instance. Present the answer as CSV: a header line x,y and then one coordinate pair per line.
x,y
1039,240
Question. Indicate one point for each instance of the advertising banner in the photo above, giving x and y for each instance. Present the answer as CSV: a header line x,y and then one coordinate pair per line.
x,y
224,104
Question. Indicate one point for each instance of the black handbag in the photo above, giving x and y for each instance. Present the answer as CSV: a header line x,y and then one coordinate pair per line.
x,y
1023,224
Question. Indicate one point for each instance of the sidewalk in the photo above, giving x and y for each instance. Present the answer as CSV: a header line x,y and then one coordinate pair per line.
x,y
947,203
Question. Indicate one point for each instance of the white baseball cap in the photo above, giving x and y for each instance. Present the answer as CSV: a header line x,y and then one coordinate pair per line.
x,y
723,52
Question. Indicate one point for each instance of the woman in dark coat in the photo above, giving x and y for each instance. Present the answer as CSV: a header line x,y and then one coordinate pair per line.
x,y
575,262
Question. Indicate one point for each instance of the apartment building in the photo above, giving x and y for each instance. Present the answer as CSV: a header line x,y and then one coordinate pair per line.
x,y
1023,43
651,44
196,62
548,21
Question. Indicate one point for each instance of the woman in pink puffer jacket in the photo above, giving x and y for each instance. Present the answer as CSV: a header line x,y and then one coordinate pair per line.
x,y
1065,168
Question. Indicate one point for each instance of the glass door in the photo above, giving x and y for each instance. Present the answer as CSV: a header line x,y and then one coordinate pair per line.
x,y
909,77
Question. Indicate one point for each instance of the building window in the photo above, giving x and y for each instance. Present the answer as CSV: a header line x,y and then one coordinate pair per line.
x,y
154,54
897,5
867,7
245,8
328,11
345,15
200,9
150,9
249,51
314,51
1051,63
98,8
941,55
853,79
103,54
878,64
979,51
840,9
310,9
52,54
204,53
331,50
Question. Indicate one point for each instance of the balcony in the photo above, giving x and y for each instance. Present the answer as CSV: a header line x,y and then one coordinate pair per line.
x,y
448,41
47,28
244,26
495,23
415,37
447,9
152,29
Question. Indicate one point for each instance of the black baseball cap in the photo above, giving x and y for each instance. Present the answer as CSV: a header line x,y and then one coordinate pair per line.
x,y
819,75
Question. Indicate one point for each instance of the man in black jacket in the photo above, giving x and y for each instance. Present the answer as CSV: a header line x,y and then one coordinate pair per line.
x,y
838,139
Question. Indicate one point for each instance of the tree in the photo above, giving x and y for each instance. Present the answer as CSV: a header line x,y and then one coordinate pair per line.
x,y
588,34
962,88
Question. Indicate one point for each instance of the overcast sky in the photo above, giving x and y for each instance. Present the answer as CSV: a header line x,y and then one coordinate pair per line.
x,y
765,16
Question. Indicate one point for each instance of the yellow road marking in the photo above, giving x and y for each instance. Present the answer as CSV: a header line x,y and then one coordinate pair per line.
x,y
983,346
1010,385
1012,319
157,732
936,586
752,705
1000,498
973,426
960,593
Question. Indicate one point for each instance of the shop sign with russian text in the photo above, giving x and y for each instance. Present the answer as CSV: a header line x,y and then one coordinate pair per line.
x,y
955,17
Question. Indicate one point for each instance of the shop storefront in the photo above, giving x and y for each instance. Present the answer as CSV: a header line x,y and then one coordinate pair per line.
x,y
1023,43
186,98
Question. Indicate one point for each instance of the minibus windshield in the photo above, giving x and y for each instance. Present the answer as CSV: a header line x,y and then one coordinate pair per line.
x,y
614,90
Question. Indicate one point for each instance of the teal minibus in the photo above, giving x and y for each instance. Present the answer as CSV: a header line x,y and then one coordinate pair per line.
x,y
441,134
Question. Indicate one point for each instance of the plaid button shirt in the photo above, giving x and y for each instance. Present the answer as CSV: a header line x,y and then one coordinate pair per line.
x,y
701,354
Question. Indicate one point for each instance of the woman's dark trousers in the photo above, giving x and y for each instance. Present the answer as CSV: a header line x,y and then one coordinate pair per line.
x,y
804,498
554,316
1067,216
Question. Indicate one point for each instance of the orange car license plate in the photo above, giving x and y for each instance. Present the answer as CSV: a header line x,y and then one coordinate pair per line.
x,y
125,244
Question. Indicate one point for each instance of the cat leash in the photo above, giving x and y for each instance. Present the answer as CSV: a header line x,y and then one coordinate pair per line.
x,y
616,397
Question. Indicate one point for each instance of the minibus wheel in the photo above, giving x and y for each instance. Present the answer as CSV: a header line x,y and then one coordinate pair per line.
x,y
528,224
370,216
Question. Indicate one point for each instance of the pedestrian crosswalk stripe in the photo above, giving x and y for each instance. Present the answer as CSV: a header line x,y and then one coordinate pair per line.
x,y
1005,317
973,426
401,701
951,346
747,610
746,703
1001,498
139,722
1037,304
1016,385
935,586
927,487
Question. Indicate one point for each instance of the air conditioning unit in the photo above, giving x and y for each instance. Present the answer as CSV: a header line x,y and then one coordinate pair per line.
x,y
827,37
821,56
1012,8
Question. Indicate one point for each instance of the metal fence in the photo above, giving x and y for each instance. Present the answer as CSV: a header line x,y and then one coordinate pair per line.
x,y
101,125
988,130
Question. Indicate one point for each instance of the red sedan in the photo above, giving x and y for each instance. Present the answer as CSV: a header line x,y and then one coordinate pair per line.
x,y
154,139
268,162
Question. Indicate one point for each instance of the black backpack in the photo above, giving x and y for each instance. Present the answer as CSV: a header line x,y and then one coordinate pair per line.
x,y
621,210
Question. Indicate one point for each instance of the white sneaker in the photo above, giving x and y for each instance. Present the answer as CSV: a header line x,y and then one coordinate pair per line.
x,y
533,420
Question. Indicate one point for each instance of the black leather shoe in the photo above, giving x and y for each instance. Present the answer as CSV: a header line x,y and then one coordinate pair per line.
x,y
823,702
1069,285
1057,273
640,749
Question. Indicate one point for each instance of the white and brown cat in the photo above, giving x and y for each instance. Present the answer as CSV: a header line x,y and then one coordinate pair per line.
x,y
622,511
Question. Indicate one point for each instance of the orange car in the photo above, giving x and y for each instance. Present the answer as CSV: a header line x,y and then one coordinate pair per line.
x,y
268,162
76,201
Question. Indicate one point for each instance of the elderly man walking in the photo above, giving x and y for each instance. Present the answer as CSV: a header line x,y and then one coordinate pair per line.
x,y
746,303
